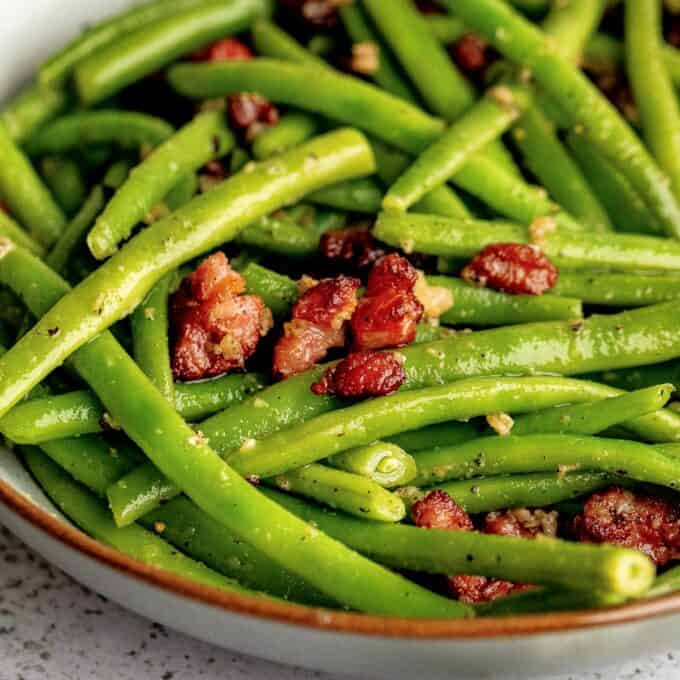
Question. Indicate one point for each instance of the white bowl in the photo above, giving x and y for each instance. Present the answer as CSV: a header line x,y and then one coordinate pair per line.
x,y
31,30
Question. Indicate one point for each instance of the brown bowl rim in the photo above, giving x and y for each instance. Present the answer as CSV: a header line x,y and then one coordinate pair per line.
x,y
326,619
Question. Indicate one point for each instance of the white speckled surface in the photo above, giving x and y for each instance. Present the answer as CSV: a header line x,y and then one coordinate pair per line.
x,y
51,627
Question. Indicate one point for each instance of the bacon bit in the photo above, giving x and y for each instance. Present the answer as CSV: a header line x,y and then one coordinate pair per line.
x,y
512,268
387,316
249,113
365,58
317,13
353,248
227,49
617,515
439,511
217,328
502,423
472,54
363,374
478,589
305,283
319,321
436,300
540,228
521,522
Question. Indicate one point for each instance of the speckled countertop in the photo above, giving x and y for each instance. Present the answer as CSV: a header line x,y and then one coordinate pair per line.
x,y
51,628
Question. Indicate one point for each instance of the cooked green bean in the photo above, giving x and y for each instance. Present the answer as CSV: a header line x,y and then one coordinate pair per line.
x,y
668,582
271,41
653,90
120,284
546,453
597,416
464,237
360,196
544,600
86,511
570,25
11,230
447,29
444,434
134,55
205,138
618,290
386,74
277,291
545,155
475,306
292,130
526,490
588,110
150,342
577,566
28,198
34,106
124,128
639,377
483,123
281,236
63,177
386,464
346,491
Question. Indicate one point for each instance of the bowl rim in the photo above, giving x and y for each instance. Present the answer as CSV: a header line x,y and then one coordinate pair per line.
x,y
327,619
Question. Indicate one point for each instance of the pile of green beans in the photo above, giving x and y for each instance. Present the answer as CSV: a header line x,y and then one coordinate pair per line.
x,y
261,487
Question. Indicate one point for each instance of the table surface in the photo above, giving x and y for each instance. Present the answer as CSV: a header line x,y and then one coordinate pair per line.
x,y
52,628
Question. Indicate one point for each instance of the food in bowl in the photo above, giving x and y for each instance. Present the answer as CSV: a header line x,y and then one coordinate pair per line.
x,y
303,304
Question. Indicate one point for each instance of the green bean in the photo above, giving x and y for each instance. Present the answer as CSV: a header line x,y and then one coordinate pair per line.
x,y
292,130
351,493
618,290
132,56
570,25
86,511
386,464
597,416
182,453
359,195
387,74
446,29
205,138
653,90
639,377
11,230
588,110
527,490
623,204
30,109
544,600
599,343
28,198
366,422
281,236
182,192
464,237
545,155
59,67
65,180
150,341
124,128
277,291
483,123
444,434
323,91
429,332
577,566
667,583
121,283
484,307
271,41
546,453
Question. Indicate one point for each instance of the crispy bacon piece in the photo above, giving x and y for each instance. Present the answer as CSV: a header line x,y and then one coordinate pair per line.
x,y
617,515
227,49
319,322
471,53
387,316
316,13
521,522
217,328
249,113
353,248
363,374
512,268
439,511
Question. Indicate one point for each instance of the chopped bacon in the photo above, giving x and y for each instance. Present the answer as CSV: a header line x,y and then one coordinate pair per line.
x,y
617,515
249,113
319,321
512,268
521,522
439,511
353,248
471,53
363,374
387,316
316,13
227,49
217,328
